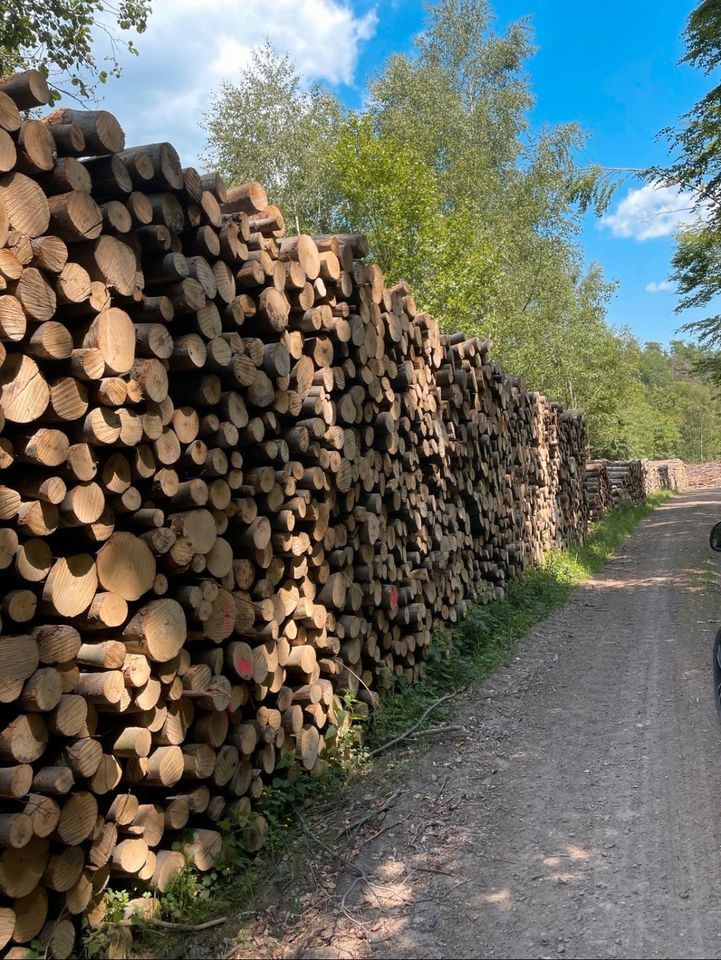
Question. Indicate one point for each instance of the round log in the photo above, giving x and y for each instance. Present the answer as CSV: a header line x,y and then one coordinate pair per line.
x,y
30,912
158,630
27,89
70,586
21,870
75,216
126,566
25,203
113,334
24,393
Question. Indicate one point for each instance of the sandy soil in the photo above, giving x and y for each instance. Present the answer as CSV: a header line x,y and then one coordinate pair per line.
x,y
574,810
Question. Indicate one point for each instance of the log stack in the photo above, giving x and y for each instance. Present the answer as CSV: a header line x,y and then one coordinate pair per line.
x,y
704,474
664,475
599,493
627,481
240,477
634,480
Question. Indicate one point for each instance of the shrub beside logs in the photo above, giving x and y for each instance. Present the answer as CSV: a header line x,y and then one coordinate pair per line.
x,y
240,477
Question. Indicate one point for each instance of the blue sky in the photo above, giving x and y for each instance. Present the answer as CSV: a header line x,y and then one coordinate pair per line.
x,y
612,67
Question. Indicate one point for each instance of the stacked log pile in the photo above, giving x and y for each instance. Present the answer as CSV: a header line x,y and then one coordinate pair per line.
x,y
599,492
241,476
635,480
627,481
664,475
704,474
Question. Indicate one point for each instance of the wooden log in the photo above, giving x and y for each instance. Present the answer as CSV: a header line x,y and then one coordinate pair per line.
x,y
50,341
248,198
167,169
42,447
36,148
70,585
30,914
109,261
13,321
75,216
24,739
8,153
21,870
27,89
126,566
35,294
42,691
24,393
25,204
158,630
15,782
102,132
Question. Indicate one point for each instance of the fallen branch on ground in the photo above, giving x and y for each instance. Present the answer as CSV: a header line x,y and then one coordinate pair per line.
x,y
414,727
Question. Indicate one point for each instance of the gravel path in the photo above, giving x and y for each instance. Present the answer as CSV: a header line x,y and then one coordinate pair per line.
x,y
577,813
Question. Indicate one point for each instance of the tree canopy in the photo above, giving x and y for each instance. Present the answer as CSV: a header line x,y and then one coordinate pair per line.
x,y
267,127
56,36
696,167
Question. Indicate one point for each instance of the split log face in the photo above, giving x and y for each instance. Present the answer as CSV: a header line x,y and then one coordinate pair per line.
x,y
26,205
241,477
24,393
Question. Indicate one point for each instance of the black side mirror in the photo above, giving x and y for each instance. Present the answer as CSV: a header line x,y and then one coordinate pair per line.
x,y
715,537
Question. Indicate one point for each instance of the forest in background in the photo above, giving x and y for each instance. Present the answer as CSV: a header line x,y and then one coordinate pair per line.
x,y
480,213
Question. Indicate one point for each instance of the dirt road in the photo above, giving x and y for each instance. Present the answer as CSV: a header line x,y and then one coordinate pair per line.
x,y
577,812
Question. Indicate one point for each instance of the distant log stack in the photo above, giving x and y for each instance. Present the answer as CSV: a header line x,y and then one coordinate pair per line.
x,y
241,476
664,475
635,480
704,474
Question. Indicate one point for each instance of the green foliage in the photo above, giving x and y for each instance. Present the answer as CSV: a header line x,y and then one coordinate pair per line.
x,y
482,215
387,191
267,127
96,940
671,408
459,197
57,38
696,167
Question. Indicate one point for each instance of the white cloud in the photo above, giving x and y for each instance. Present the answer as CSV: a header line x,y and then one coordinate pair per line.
x,y
191,45
662,287
651,211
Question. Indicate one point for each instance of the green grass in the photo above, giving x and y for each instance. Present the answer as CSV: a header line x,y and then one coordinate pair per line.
x,y
458,658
